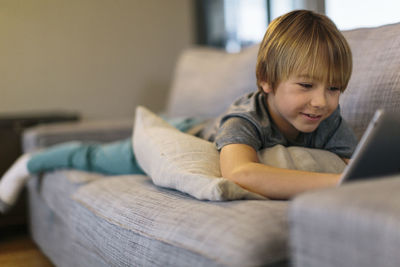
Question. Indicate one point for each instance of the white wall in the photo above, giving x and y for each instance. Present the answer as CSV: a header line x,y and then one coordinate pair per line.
x,y
98,57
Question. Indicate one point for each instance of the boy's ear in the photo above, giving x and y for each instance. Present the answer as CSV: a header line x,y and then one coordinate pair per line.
x,y
266,87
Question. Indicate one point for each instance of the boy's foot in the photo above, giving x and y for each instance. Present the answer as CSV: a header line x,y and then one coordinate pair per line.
x,y
13,182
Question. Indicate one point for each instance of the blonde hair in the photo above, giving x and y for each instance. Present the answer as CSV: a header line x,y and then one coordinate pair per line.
x,y
304,42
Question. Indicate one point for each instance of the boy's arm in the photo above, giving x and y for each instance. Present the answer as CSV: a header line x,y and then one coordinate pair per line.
x,y
239,163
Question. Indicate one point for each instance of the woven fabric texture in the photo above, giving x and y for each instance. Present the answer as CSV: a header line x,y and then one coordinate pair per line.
x,y
207,81
354,225
132,221
375,82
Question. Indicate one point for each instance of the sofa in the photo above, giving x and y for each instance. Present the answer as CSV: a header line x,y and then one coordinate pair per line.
x,y
86,219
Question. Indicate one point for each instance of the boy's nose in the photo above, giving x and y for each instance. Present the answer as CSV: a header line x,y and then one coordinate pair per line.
x,y
318,99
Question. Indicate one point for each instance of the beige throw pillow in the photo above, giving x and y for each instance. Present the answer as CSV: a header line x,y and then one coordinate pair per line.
x,y
180,161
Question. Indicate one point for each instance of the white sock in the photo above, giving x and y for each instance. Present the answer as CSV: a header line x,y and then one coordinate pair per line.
x,y
14,180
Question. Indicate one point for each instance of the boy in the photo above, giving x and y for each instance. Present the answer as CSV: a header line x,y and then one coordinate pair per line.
x,y
303,65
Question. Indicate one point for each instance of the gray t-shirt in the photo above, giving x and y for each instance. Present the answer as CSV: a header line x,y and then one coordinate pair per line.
x,y
247,121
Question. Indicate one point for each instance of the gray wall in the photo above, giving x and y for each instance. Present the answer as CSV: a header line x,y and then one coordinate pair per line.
x,y
98,57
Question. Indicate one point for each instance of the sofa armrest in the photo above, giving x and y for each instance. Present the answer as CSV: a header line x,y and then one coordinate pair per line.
x,y
356,224
96,131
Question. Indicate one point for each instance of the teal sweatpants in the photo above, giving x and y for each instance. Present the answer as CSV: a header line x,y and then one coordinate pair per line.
x,y
113,158
116,158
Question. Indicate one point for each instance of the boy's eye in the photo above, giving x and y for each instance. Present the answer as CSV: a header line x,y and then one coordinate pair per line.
x,y
334,88
306,85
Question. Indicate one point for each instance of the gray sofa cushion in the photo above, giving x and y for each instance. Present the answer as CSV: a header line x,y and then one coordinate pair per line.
x,y
52,228
131,221
375,82
56,188
354,225
208,80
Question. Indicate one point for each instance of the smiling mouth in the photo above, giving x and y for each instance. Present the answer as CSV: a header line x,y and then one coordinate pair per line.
x,y
312,116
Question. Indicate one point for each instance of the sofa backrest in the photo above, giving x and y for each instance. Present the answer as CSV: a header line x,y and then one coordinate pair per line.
x,y
207,80
375,82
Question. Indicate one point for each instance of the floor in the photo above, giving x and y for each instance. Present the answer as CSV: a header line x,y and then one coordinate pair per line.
x,y
18,250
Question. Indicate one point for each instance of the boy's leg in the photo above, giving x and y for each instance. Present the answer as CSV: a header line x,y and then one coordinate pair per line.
x,y
113,159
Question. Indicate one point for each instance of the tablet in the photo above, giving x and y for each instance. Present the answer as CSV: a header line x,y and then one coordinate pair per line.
x,y
378,152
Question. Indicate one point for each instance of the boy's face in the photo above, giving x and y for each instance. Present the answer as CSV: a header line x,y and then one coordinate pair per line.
x,y
300,104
